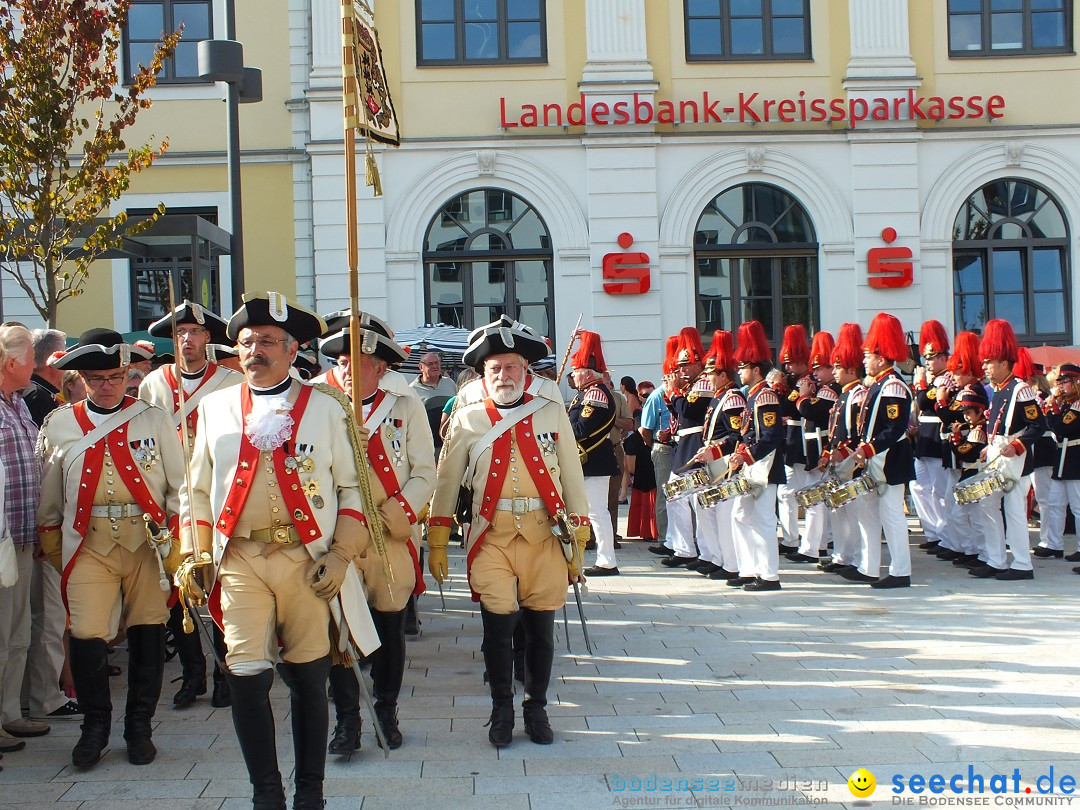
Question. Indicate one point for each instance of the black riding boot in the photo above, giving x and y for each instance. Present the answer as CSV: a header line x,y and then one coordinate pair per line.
x,y
539,654
346,689
412,617
221,697
90,671
190,652
499,658
387,671
519,653
310,723
146,666
253,720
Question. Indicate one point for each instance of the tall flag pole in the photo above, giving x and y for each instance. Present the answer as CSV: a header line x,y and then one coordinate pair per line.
x,y
369,110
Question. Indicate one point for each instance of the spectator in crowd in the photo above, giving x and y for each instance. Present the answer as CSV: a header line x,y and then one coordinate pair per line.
x,y
628,388
48,616
135,378
655,430
72,388
431,382
642,519
41,396
18,434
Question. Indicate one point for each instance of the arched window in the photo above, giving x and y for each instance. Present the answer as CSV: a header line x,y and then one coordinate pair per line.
x,y
1011,261
488,252
756,259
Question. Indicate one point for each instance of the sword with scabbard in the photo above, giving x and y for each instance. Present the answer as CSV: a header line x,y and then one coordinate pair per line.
x,y
564,531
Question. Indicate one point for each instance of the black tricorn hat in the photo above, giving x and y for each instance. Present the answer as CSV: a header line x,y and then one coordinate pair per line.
x,y
376,338
307,362
190,312
100,350
502,336
216,352
274,309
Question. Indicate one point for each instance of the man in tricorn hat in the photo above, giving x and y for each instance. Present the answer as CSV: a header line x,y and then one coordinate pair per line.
x,y
196,375
108,461
516,452
275,484
401,466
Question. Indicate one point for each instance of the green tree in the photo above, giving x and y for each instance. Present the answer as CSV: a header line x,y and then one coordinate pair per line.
x,y
63,159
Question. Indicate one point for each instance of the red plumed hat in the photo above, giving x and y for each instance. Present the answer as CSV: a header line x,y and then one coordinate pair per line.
x,y
1024,367
886,337
965,357
821,349
998,341
753,347
933,339
720,353
690,348
589,355
795,348
670,350
848,352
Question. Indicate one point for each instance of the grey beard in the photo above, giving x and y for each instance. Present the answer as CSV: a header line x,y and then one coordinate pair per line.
x,y
507,396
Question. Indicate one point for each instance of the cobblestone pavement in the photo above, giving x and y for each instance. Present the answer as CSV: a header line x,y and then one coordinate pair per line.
x,y
698,695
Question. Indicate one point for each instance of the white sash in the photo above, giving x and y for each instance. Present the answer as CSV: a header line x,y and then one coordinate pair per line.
x,y
111,423
191,401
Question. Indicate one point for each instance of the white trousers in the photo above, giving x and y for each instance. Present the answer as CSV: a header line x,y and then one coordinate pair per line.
x,y
786,507
928,493
15,636
596,491
885,513
1013,532
680,533
45,662
716,539
1053,511
962,531
1051,501
847,541
817,519
755,534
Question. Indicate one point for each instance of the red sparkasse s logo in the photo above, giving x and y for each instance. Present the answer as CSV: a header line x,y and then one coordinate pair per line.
x,y
626,273
889,267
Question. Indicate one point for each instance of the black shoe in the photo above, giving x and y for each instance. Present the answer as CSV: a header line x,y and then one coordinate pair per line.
x,y
1074,557
537,725
723,573
929,545
1048,552
590,545
948,554
855,575
892,582
678,562
762,585
661,549
706,568
1076,569
598,571
221,698
842,567
986,571
1014,573
967,561
830,567
785,550
618,544
388,722
801,558
346,736
738,582
90,670
190,688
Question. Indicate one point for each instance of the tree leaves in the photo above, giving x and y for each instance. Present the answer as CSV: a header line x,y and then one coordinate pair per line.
x,y
63,158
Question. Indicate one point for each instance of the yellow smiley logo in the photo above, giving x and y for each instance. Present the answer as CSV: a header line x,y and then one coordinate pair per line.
x,y
861,783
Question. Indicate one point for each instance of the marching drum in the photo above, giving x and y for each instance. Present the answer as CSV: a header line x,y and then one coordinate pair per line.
x,y
687,484
813,494
982,486
842,494
725,491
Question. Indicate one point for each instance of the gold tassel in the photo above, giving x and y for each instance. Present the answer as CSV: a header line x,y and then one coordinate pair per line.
x,y
371,174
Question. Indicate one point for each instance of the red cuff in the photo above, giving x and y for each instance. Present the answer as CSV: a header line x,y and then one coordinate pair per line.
x,y
1018,446
174,525
868,449
408,509
745,455
353,514
715,452
49,528
187,524
439,521
922,386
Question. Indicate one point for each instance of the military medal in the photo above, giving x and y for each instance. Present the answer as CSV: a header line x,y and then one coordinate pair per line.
x,y
311,489
145,453
291,463
547,443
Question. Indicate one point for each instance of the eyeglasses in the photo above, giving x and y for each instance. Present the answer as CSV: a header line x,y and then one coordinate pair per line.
x,y
112,379
263,343
192,332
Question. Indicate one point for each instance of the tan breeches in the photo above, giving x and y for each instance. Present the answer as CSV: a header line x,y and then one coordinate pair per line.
x,y
520,575
392,599
103,587
267,598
